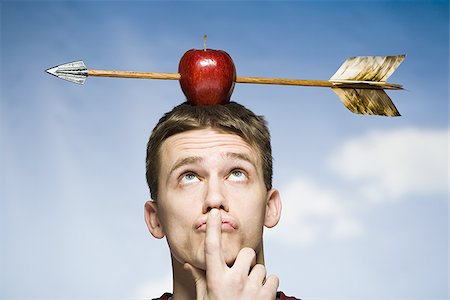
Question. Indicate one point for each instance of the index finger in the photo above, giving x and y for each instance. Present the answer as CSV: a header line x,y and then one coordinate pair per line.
x,y
214,258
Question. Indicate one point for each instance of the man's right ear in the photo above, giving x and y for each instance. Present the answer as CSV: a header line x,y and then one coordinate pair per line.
x,y
152,219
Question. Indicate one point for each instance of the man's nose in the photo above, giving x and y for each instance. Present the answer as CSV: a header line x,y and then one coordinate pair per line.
x,y
215,195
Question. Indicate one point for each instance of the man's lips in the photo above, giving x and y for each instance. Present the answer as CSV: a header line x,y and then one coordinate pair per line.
x,y
228,224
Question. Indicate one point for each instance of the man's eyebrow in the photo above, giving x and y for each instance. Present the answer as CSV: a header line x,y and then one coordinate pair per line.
x,y
185,161
241,156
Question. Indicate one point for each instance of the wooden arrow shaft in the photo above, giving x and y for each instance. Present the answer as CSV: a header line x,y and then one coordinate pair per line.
x,y
284,81
251,80
128,74
320,83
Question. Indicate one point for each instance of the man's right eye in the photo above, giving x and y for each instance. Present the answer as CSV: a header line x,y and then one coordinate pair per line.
x,y
188,178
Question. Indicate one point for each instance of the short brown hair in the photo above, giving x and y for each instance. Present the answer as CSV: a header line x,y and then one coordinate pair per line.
x,y
231,117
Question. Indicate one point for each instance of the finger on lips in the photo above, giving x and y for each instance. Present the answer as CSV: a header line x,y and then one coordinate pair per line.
x,y
213,247
245,263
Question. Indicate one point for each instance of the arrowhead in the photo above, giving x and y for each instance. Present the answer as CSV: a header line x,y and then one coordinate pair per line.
x,y
74,72
52,71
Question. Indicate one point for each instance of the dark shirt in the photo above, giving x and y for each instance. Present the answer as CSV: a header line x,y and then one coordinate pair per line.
x,y
280,296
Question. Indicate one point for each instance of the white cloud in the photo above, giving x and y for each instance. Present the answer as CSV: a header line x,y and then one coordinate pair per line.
x,y
154,288
394,164
312,212
378,166
346,228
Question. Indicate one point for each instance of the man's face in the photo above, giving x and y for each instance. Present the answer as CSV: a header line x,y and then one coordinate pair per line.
x,y
205,169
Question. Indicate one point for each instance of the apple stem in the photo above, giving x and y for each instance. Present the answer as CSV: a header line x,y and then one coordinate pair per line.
x,y
204,42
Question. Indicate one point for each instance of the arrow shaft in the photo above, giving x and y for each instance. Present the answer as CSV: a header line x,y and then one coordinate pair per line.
x,y
366,84
283,81
251,80
320,83
128,74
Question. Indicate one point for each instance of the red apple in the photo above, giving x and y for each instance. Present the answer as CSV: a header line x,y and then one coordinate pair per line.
x,y
207,76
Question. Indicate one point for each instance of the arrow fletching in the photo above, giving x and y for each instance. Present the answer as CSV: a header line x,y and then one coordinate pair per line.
x,y
367,70
367,102
74,72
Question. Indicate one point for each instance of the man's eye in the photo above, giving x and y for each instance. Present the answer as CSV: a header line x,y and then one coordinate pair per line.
x,y
237,175
188,178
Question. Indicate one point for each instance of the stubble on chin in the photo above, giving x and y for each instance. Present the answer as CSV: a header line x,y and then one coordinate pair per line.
x,y
199,261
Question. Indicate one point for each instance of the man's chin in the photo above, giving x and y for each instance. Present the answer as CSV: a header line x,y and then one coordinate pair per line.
x,y
230,258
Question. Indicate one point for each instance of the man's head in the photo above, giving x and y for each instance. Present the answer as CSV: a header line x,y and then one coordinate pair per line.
x,y
231,118
201,158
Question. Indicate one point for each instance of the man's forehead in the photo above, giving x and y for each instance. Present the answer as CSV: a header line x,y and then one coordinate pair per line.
x,y
204,139
196,143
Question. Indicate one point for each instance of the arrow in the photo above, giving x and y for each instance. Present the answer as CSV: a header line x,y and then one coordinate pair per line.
x,y
359,82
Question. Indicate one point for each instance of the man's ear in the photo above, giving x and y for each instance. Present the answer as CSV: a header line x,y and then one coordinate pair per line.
x,y
152,219
273,208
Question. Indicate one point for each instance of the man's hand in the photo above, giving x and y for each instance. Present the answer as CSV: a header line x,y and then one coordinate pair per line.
x,y
244,280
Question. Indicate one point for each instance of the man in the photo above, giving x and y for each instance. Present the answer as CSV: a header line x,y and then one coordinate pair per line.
x,y
209,169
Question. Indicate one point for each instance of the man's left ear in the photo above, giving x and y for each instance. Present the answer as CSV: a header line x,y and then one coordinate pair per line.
x,y
273,208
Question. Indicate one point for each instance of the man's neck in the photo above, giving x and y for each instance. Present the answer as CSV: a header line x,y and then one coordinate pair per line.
x,y
183,283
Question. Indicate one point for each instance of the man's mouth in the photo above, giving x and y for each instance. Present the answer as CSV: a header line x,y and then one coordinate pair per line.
x,y
227,225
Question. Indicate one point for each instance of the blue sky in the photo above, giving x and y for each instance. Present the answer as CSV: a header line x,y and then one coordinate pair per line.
x,y
365,198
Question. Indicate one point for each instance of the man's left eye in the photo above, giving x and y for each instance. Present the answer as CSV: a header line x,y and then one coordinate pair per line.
x,y
189,178
237,175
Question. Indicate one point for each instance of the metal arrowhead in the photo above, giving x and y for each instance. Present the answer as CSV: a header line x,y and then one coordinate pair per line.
x,y
74,72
